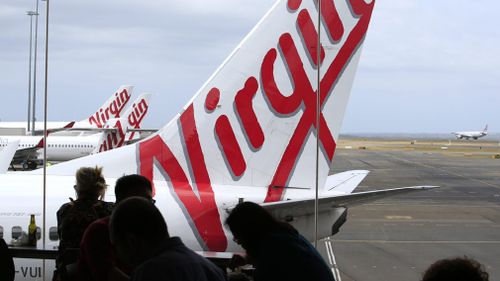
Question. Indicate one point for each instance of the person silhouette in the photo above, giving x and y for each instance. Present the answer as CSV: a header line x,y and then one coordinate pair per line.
x,y
276,249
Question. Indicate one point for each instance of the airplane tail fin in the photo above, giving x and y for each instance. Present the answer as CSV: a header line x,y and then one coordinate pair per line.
x,y
485,130
112,108
253,122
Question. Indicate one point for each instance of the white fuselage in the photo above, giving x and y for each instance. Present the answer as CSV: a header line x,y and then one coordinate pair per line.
x,y
25,197
59,148
470,134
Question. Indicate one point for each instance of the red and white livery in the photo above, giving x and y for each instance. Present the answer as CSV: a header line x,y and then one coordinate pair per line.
x,y
249,133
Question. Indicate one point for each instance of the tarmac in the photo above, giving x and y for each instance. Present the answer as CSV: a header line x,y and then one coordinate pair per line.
x,y
397,238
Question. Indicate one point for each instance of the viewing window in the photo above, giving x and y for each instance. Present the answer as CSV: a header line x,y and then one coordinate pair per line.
x,y
53,235
16,232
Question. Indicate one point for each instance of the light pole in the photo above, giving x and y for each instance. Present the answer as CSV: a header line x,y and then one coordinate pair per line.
x,y
31,14
34,69
45,126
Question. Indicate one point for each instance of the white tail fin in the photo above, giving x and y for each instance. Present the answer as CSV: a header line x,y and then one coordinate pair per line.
x,y
485,129
136,113
112,108
343,183
6,155
253,122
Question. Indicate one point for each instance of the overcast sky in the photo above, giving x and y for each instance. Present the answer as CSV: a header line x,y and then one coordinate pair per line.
x,y
427,66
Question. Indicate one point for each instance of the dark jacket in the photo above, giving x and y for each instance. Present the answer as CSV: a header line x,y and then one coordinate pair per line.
x,y
288,256
175,261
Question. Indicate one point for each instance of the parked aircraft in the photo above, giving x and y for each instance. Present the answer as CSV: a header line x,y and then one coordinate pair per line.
x,y
248,134
64,148
472,134
112,108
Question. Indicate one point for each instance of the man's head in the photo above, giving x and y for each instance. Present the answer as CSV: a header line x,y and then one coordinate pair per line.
x,y
136,228
133,185
250,224
456,269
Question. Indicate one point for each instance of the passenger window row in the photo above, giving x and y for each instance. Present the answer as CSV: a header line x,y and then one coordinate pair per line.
x,y
71,145
56,145
17,231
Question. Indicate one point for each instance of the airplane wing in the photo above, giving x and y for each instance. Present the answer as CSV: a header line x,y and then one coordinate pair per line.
x,y
142,130
96,130
306,207
332,210
6,155
55,130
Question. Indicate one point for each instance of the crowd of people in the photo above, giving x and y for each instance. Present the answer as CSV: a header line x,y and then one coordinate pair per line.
x,y
129,240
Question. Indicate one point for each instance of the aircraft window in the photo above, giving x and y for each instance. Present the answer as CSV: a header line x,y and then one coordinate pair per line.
x,y
1,232
16,232
53,235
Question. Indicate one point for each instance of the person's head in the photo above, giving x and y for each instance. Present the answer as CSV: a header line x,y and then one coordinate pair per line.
x,y
456,269
90,184
133,185
136,230
250,223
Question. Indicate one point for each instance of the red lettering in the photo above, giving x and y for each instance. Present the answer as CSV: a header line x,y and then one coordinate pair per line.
x,y
113,108
201,211
117,99
124,96
243,104
132,120
283,172
294,4
142,106
105,116
94,120
113,139
332,20
212,99
137,114
230,148
310,36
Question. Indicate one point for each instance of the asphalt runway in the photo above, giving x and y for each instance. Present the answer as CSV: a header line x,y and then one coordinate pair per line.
x,y
398,238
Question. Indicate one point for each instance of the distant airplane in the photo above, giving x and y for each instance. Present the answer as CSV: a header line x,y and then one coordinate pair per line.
x,y
115,133
248,134
472,134
112,108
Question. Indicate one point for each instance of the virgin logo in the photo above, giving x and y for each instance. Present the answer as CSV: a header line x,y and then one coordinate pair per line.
x,y
113,139
112,111
200,208
138,113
